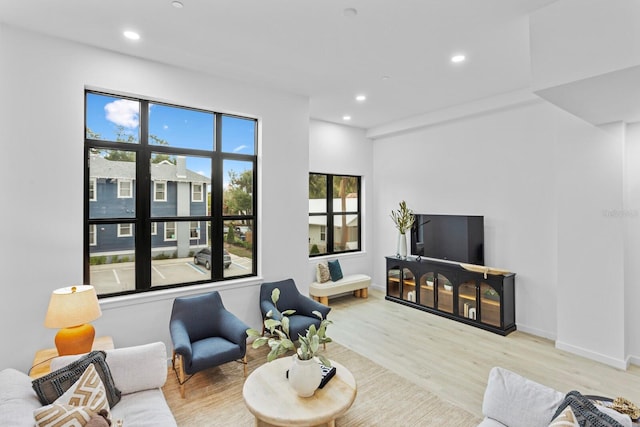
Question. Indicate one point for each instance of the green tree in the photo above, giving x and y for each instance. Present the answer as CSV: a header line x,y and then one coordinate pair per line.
x,y
239,194
317,186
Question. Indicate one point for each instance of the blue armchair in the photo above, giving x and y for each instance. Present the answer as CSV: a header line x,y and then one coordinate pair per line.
x,y
205,334
292,299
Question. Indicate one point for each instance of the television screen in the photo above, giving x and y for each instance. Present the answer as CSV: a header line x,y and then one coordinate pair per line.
x,y
450,237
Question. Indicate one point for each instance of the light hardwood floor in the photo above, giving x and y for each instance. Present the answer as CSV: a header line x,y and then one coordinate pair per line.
x,y
453,360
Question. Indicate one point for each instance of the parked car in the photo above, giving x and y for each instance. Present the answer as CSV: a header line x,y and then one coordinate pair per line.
x,y
203,256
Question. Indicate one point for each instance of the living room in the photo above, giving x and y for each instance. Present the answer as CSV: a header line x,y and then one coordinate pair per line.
x,y
558,193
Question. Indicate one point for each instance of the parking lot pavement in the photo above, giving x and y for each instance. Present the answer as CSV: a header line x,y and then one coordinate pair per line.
x,y
119,277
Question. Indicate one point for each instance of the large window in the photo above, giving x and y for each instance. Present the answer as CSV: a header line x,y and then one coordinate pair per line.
x,y
334,214
176,185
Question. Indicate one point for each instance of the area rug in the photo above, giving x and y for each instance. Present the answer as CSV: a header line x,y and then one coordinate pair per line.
x,y
214,397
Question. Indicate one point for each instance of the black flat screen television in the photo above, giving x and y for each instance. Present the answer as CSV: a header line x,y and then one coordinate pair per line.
x,y
450,237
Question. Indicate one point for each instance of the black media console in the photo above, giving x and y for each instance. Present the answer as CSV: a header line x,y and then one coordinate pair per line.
x,y
476,295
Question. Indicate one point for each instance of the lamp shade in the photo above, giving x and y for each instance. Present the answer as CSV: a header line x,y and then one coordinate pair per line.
x,y
72,306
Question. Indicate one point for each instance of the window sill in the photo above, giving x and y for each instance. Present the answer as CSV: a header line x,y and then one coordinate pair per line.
x,y
169,294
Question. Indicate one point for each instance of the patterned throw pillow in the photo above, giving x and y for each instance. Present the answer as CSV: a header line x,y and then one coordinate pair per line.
x,y
76,406
322,273
56,415
335,270
51,386
565,418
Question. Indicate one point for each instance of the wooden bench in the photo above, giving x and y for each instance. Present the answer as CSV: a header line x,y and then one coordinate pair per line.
x,y
356,283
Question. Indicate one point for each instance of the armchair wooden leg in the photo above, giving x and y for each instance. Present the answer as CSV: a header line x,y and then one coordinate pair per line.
x,y
244,362
179,368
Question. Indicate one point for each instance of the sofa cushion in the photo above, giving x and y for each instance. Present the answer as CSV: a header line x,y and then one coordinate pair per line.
x,y
53,385
147,408
516,401
18,400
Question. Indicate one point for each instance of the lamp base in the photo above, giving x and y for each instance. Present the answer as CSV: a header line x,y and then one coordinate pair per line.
x,y
75,340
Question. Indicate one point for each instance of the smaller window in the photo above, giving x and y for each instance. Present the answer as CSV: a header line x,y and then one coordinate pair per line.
x,y
93,193
170,231
197,192
93,238
323,233
159,191
125,189
154,228
194,230
125,230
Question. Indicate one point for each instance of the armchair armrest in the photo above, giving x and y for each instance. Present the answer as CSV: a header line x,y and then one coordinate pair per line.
x,y
307,306
180,339
233,329
265,306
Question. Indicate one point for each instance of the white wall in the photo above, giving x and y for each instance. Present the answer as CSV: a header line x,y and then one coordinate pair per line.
x,y
340,149
631,217
542,179
42,82
590,241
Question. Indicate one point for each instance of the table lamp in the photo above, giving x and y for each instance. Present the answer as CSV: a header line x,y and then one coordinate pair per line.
x,y
71,309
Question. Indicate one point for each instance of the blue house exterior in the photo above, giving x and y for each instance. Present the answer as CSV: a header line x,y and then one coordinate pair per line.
x,y
176,191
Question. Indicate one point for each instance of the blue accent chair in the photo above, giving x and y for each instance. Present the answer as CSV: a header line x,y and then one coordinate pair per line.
x,y
292,299
205,334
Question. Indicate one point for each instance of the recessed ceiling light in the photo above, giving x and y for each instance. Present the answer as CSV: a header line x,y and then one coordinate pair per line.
x,y
177,4
361,98
350,12
457,58
132,35
346,118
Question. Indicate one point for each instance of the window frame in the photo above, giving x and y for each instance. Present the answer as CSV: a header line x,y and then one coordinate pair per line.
x,y
193,192
155,191
93,232
330,213
167,228
120,187
145,242
93,189
129,233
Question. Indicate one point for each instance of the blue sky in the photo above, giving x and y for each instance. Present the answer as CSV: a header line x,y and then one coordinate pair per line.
x,y
180,127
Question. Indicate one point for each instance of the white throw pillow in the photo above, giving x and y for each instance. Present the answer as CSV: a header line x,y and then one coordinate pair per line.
x,y
516,401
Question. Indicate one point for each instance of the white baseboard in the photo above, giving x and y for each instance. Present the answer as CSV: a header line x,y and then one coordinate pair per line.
x,y
607,360
535,331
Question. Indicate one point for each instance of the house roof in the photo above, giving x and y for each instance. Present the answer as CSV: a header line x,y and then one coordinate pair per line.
x,y
163,171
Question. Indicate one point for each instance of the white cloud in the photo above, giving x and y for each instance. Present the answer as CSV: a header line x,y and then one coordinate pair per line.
x,y
123,112
165,127
240,148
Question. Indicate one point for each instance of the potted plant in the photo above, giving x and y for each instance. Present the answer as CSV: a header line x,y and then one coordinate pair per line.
x,y
403,219
305,374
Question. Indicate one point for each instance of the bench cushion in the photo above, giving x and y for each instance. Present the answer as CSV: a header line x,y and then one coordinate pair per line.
x,y
348,283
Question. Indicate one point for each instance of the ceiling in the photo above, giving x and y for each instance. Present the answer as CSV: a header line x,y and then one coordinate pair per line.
x,y
396,52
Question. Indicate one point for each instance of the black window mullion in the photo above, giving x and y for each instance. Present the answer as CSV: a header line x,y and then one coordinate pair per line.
x,y
143,203
330,238
217,220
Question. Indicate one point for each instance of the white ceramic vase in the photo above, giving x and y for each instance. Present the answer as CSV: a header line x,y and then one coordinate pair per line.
x,y
402,245
305,376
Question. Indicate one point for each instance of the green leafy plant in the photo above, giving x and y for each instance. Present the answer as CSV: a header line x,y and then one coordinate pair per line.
x,y
280,341
403,218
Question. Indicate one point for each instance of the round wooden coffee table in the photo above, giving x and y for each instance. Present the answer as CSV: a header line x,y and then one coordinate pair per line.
x,y
272,401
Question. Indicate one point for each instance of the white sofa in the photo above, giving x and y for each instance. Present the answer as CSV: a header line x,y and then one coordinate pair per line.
x,y
138,372
514,401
